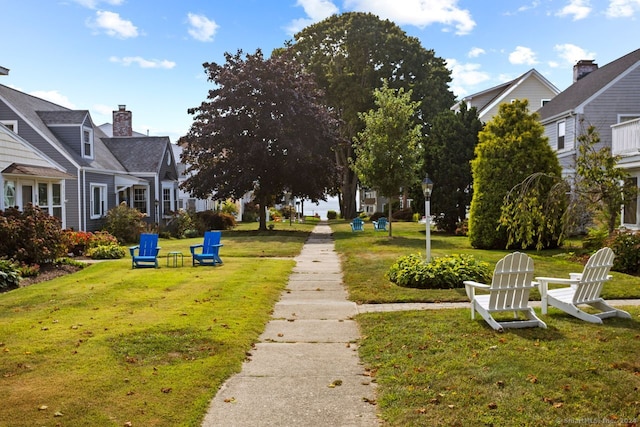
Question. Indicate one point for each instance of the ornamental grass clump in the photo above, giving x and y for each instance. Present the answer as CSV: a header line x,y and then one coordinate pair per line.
x,y
412,271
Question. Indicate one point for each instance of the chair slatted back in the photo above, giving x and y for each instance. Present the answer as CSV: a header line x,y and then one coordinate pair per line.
x,y
148,245
595,273
211,242
511,283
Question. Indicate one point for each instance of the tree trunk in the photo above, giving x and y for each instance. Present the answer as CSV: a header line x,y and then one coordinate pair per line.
x,y
390,220
263,213
348,181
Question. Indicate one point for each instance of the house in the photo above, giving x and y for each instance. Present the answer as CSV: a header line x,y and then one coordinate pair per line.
x,y
531,85
608,98
103,171
29,176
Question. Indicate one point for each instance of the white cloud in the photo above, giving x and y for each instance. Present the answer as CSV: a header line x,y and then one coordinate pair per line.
x,y
579,9
55,97
113,25
316,11
523,55
570,53
201,28
420,13
102,110
475,52
623,8
464,76
143,63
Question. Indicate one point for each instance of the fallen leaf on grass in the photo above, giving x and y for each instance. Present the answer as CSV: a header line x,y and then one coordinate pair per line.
x,y
369,401
58,414
43,408
532,379
493,405
166,390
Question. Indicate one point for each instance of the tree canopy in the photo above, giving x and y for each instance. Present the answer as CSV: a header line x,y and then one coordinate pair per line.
x,y
350,55
511,148
449,151
263,128
389,150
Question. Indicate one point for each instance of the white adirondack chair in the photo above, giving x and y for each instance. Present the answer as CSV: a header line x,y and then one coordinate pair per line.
x,y
584,289
509,292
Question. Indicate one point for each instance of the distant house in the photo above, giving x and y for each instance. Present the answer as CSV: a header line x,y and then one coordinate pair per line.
x,y
608,98
103,171
531,85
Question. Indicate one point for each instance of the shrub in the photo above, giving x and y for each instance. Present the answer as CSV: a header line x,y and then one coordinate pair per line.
x,y
405,214
9,276
106,252
332,214
412,271
31,236
180,222
250,212
125,223
229,207
626,245
211,220
595,238
376,216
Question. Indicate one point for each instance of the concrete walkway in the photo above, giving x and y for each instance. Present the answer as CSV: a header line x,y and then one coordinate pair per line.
x,y
305,371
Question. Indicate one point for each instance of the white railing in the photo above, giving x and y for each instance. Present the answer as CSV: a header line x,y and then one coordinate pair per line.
x,y
625,138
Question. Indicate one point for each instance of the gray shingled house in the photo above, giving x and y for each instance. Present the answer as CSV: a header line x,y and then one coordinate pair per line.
x,y
104,171
608,98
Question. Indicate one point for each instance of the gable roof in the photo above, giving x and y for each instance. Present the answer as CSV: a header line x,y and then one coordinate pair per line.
x,y
492,95
582,90
150,152
39,113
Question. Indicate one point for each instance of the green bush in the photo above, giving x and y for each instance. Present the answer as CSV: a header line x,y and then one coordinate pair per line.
x,y
229,207
405,214
332,214
211,220
250,212
31,236
626,245
105,252
377,215
181,221
595,238
9,276
412,271
125,223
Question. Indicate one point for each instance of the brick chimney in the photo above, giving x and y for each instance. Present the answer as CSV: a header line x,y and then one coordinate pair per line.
x,y
122,124
582,68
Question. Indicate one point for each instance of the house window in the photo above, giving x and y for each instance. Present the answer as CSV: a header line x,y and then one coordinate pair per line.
x,y
630,207
140,199
167,201
43,194
561,131
9,194
56,200
50,198
87,143
627,117
12,125
98,200
544,102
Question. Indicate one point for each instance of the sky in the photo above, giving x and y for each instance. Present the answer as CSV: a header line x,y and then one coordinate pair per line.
x,y
148,54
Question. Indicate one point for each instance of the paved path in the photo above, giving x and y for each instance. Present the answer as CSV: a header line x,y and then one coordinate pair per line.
x,y
305,370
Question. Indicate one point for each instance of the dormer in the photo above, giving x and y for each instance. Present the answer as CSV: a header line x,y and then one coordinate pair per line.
x,y
73,128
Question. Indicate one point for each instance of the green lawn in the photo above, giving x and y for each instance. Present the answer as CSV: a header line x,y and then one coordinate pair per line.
x,y
110,345
440,368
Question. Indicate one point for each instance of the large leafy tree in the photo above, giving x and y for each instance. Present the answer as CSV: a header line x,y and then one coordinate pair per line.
x,y
449,151
389,150
263,128
511,147
350,55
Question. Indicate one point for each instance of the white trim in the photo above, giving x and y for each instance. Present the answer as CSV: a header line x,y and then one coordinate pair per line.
x,y
103,200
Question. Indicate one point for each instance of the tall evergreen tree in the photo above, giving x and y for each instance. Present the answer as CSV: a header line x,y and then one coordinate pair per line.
x,y
511,148
449,150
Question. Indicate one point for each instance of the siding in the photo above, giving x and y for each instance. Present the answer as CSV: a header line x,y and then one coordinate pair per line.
x,y
97,178
70,135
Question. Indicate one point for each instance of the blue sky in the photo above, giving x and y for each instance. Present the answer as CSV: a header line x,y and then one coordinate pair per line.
x,y
148,54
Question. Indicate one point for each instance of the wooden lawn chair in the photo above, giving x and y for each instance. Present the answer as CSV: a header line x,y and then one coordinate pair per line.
x,y
380,224
209,250
147,252
509,292
357,224
584,289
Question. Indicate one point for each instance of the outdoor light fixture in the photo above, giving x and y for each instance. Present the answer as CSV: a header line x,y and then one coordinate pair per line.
x,y
427,188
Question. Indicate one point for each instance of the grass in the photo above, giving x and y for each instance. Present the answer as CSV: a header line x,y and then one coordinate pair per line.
x,y
440,368
367,256
110,345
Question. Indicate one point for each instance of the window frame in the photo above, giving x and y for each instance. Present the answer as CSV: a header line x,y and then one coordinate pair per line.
x,y
560,139
12,125
135,203
103,200
87,142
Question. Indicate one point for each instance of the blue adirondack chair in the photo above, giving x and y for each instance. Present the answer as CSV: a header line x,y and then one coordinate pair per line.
x,y
380,224
208,254
147,252
357,224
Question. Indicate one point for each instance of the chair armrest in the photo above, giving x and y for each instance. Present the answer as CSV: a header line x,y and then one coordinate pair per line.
x,y
193,248
543,283
470,288
132,249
